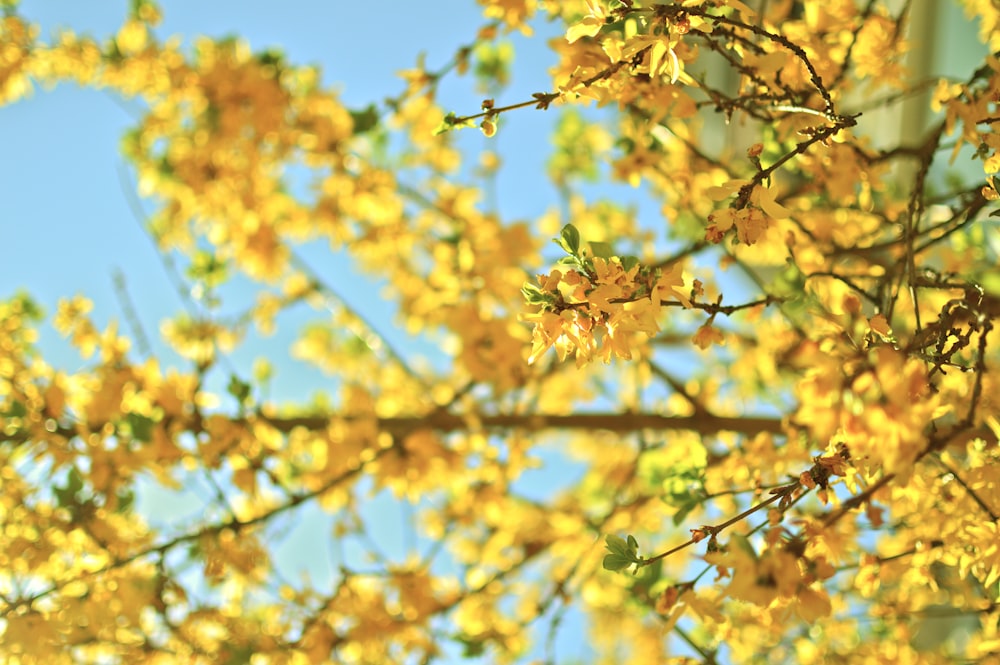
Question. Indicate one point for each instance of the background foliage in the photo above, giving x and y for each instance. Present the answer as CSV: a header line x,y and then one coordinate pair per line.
x,y
776,392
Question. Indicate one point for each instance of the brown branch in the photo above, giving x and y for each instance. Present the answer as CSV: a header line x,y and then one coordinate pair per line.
x,y
707,655
609,422
797,50
971,492
712,308
443,421
938,442
677,387
777,494
857,500
129,312
542,100
800,148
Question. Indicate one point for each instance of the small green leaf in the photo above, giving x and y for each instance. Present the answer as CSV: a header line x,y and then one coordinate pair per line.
x,y
616,562
603,250
15,409
570,261
616,544
629,262
240,655
569,240
492,62
623,553
126,499
29,308
66,495
365,120
206,267
271,58
471,647
140,426
451,122
238,389
74,481
533,295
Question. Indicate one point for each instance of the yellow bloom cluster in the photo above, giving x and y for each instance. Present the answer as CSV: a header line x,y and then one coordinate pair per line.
x,y
594,314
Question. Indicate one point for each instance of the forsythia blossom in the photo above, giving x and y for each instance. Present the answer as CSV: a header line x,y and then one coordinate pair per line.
x,y
596,309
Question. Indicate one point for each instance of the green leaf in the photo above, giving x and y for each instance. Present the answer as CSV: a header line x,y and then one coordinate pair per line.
x,y
623,553
29,308
208,268
451,122
616,544
126,499
165,168
365,120
272,57
790,281
616,562
238,655
15,409
140,426
684,486
603,250
571,235
74,481
533,295
629,262
471,647
66,495
492,62
569,240
238,389
570,261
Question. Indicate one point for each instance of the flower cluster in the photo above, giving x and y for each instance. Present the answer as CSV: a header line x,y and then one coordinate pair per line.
x,y
594,306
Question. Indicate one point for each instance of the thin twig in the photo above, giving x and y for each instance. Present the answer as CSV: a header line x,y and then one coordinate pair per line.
x,y
131,317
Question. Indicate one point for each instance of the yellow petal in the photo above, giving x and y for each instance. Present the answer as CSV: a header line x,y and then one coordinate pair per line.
x,y
656,54
770,207
588,27
879,324
724,190
741,8
675,67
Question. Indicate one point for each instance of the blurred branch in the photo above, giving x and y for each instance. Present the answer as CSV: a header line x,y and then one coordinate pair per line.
x,y
129,312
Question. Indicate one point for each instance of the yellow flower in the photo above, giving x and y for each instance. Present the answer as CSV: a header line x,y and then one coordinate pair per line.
x,y
670,287
707,335
590,25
